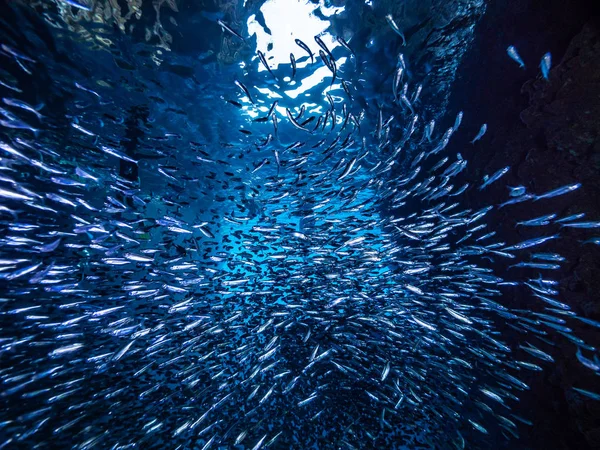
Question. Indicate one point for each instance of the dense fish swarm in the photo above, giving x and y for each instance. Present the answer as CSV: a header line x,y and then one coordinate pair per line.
x,y
313,282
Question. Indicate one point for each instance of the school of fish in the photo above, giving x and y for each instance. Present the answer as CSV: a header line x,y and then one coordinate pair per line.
x,y
311,282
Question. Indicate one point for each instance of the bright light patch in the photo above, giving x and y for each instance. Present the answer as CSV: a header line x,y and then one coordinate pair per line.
x,y
268,92
315,109
336,98
280,110
312,80
309,108
329,11
250,111
289,20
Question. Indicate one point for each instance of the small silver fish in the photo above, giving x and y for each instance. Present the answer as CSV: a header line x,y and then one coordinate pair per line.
x,y
263,60
78,5
588,394
560,191
517,191
22,105
538,221
512,52
395,27
530,243
386,371
487,180
304,47
480,133
581,225
244,90
546,64
458,120
230,30
293,63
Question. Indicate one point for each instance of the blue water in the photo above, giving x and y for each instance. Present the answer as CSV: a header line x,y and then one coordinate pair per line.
x,y
187,264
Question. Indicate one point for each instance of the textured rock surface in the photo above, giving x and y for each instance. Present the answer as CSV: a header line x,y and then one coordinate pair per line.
x,y
438,33
549,132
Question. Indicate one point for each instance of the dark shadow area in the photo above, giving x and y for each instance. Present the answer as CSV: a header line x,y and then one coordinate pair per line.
x,y
549,133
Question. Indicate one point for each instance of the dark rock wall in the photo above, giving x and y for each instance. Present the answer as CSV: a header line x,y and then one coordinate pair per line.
x,y
549,132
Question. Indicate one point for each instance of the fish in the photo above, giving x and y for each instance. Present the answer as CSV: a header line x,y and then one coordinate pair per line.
x,y
394,26
514,55
571,218
587,393
386,371
590,364
458,120
517,199
293,63
517,191
83,88
19,125
244,90
347,171
294,122
535,265
116,153
545,65
538,221
263,60
83,130
11,195
22,105
227,28
494,177
417,93
8,86
330,63
304,47
78,5
321,44
50,247
548,256
17,54
480,133
530,243
581,225
558,191
345,44
234,103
